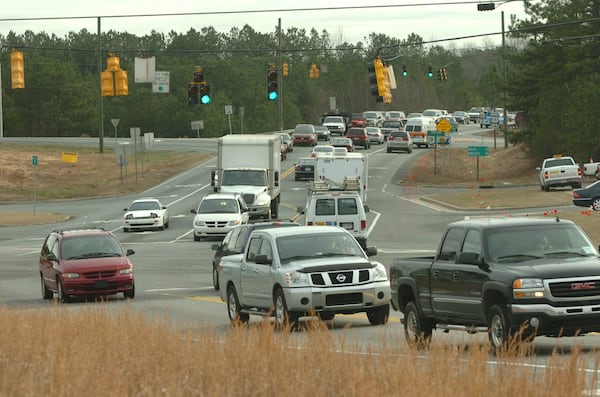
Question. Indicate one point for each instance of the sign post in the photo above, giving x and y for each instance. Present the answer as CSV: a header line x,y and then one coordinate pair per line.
x,y
34,162
477,151
115,123
228,112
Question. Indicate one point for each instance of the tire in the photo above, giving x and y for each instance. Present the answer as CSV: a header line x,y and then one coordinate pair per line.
x,y
296,178
233,307
46,293
167,225
125,230
326,316
596,204
498,329
542,187
417,330
130,294
283,317
389,150
409,150
546,188
215,274
379,315
60,292
197,238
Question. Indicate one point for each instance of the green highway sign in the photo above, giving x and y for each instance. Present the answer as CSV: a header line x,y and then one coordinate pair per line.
x,y
436,133
477,151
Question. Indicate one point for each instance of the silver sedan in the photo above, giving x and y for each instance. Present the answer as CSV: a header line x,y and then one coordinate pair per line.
x,y
375,135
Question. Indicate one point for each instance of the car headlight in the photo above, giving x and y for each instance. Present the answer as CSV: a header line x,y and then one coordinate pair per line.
x,y
296,279
70,275
378,273
234,222
263,201
126,271
153,215
199,223
524,288
129,216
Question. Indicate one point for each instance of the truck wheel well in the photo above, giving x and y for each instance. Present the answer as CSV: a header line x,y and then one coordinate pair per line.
x,y
405,295
492,298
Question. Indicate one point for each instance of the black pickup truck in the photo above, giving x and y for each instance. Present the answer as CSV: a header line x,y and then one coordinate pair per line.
x,y
515,278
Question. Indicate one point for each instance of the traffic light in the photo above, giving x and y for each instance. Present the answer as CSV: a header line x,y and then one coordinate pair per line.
x,y
285,69
380,81
429,71
404,71
121,82
192,94
204,93
313,73
198,76
272,87
444,74
113,63
439,74
107,83
17,69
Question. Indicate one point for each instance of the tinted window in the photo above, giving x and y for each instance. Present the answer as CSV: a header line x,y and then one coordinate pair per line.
x,y
240,243
347,206
253,249
451,245
472,242
325,207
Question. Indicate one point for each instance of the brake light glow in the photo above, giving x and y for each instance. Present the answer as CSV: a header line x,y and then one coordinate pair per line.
x,y
363,224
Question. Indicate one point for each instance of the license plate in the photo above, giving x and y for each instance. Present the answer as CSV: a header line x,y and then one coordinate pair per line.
x,y
347,225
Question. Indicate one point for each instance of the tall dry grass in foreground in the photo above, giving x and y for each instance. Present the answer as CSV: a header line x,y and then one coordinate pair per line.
x,y
94,351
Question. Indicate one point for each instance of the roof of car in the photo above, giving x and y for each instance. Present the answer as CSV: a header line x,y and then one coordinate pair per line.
x,y
78,232
218,196
304,230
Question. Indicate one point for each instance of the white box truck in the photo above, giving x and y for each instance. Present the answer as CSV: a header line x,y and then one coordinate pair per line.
x,y
337,168
250,165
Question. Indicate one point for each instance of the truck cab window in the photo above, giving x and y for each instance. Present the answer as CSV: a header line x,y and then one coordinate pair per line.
x,y
472,242
451,245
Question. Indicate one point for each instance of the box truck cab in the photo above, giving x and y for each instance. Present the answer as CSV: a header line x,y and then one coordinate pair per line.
x,y
417,129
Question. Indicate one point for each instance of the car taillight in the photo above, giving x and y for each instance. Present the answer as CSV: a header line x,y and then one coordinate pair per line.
x,y
298,168
576,195
363,224
579,171
405,138
309,223
390,138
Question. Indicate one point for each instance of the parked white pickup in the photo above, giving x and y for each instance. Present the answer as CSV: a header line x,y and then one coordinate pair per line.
x,y
559,171
591,169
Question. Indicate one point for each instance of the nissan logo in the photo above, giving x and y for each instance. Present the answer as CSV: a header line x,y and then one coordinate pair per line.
x,y
340,278
588,285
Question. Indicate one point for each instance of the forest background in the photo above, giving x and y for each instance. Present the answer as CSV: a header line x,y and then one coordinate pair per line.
x,y
548,68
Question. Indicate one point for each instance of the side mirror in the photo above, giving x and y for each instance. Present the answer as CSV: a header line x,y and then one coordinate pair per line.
x,y
262,260
215,247
213,177
130,251
371,251
469,258
193,211
51,257
366,207
300,210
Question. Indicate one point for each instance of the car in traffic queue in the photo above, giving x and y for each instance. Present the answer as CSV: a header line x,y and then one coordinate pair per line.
x,y
461,117
283,148
391,125
217,213
373,118
342,142
304,134
321,150
335,125
235,241
452,121
85,263
359,137
305,169
588,196
375,135
323,133
146,213
358,120
399,140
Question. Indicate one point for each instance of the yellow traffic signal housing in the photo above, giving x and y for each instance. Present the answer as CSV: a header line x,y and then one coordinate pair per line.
x,y
107,83
313,73
121,82
285,69
113,63
17,69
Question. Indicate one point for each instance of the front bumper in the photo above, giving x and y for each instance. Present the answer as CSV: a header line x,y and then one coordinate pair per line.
x,y
348,299
557,321
104,286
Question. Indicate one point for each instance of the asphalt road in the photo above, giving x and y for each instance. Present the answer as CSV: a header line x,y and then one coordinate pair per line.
x,y
173,273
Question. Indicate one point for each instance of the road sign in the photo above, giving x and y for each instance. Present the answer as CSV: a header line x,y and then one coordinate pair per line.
x,y
34,160
228,109
161,82
477,151
436,133
444,125
197,125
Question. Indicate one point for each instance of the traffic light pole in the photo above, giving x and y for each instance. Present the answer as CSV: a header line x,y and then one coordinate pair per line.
x,y
100,99
280,75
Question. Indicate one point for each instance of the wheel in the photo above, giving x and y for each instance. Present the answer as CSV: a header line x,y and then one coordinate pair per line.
x,y
60,292
498,329
546,188
283,317
326,316
417,330
379,315
197,238
215,277
130,294
389,150
167,225
125,229
46,293
233,307
596,204
409,150
296,177
541,187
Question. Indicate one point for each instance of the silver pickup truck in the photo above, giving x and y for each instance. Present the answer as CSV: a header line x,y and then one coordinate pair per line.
x,y
559,171
301,271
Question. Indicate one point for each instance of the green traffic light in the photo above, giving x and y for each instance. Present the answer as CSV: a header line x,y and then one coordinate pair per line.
x,y
430,74
404,73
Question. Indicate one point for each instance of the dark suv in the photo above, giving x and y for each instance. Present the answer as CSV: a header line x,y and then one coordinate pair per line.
x,y
235,242
85,262
359,137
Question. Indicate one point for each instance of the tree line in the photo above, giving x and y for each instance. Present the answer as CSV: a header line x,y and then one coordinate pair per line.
x,y
548,69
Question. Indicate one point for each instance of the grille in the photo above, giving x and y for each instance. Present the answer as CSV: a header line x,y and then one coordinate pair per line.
x,y
355,298
340,278
575,289
99,274
216,224
317,279
363,276
249,198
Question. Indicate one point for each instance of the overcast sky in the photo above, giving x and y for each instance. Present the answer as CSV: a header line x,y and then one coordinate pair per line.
x,y
435,21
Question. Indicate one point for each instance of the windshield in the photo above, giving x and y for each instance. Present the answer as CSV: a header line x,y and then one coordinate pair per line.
x,y
244,177
93,246
370,115
430,113
314,245
144,206
333,120
509,245
218,206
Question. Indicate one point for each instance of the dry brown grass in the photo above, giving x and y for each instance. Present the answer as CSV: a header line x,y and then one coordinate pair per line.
x,y
94,174
108,353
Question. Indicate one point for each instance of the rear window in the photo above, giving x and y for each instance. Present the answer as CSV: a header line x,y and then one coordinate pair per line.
x,y
392,124
398,134
354,131
304,129
347,206
325,207
413,128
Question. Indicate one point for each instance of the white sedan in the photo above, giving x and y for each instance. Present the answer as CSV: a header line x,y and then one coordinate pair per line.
x,y
148,213
375,135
